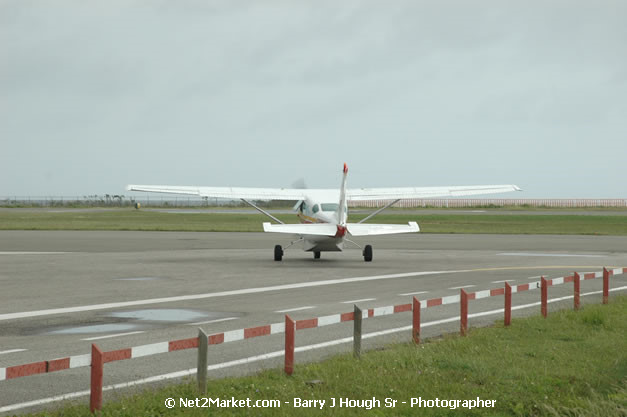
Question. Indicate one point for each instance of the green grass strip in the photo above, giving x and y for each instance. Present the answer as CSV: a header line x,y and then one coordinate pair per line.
x,y
570,364
129,219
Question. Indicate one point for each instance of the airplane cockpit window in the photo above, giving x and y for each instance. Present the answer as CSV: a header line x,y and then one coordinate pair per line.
x,y
316,208
329,206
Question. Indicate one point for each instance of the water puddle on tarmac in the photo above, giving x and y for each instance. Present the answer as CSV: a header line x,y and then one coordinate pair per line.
x,y
171,314
144,318
98,328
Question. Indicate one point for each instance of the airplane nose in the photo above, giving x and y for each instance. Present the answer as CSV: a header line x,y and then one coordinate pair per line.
x,y
327,219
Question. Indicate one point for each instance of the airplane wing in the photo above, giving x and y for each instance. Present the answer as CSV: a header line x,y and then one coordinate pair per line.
x,y
358,194
366,229
317,229
225,192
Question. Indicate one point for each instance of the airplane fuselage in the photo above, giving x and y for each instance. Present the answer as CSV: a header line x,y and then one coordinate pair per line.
x,y
310,211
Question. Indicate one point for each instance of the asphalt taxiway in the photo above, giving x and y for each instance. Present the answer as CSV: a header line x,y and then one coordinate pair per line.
x,y
63,291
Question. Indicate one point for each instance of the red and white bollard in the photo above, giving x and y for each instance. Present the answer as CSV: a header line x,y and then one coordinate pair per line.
x,y
463,322
416,321
508,304
606,286
97,365
576,287
543,296
290,329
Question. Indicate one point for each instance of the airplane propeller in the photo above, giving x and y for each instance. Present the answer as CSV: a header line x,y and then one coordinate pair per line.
x,y
300,184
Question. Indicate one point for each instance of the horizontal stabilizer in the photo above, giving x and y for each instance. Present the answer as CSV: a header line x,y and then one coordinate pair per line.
x,y
365,229
316,229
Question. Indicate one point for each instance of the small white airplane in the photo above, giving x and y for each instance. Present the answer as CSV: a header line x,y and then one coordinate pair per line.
x,y
323,212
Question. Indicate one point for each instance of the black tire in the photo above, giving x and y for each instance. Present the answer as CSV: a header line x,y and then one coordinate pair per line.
x,y
368,253
278,253
317,255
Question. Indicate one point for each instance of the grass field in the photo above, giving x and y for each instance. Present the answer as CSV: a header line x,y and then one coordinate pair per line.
x,y
571,364
129,219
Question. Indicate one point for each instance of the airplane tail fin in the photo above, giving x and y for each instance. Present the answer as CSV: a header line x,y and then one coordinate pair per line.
x,y
342,207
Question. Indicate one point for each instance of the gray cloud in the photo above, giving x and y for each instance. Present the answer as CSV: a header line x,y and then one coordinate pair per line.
x,y
96,95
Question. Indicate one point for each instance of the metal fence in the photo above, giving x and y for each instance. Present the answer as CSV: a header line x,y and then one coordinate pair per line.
x,y
108,200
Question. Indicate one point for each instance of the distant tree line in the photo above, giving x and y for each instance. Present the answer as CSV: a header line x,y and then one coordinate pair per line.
x,y
119,200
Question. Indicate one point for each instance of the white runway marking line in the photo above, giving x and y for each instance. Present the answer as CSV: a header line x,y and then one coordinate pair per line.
x,y
32,253
538,277
413,293
5,352
212,321
270,355
463,286
136,279
295,309
109,336
565,255
502,281
257,290
357,301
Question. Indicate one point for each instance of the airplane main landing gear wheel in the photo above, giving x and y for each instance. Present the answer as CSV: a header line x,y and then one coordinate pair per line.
x,y
368,253
278,253
317,255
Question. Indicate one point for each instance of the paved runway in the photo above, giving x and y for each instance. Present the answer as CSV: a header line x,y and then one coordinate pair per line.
x,y
155,286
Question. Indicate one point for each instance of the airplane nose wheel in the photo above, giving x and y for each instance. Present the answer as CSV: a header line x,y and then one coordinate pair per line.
x,y
367,253
317,255
278,253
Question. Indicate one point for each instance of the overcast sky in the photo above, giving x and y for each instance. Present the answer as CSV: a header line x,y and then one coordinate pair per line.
x,y
95,95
